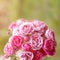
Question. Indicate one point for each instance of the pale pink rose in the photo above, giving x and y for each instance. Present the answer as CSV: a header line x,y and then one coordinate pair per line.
x,y
40,26
12,26
49,47
26,55
26,28
20,21
50,34
16,31
16,41
8,50
37,23
36,41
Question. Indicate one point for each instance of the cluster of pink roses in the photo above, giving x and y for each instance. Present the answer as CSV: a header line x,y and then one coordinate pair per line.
x,y
33,38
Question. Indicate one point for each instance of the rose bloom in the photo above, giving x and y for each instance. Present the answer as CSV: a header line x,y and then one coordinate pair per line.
x,y
20,21
26,28
8,50
16,31
12,26
16,41
26,47
40,26
26,55
37,56
49,47
50,34
36,41
42,53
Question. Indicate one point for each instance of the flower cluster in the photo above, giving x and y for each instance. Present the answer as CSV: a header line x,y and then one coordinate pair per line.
x,y
33,39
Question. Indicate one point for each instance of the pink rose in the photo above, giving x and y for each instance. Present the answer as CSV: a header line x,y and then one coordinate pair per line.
x,y
36,41
42,53
12,26
26,47
40,26
37,56
49,47
8,50
26,28
50,34
16,42
26,56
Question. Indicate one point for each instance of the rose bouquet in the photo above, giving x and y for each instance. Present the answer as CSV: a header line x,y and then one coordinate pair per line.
x,y
30,40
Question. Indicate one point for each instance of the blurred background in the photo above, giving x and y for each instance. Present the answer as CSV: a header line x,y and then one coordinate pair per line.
x,y
45,10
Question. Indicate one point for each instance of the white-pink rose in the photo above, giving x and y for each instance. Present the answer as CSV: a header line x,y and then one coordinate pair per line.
x,y
36,41
26,28
40,26
16,31
50,34
20,21
26,56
